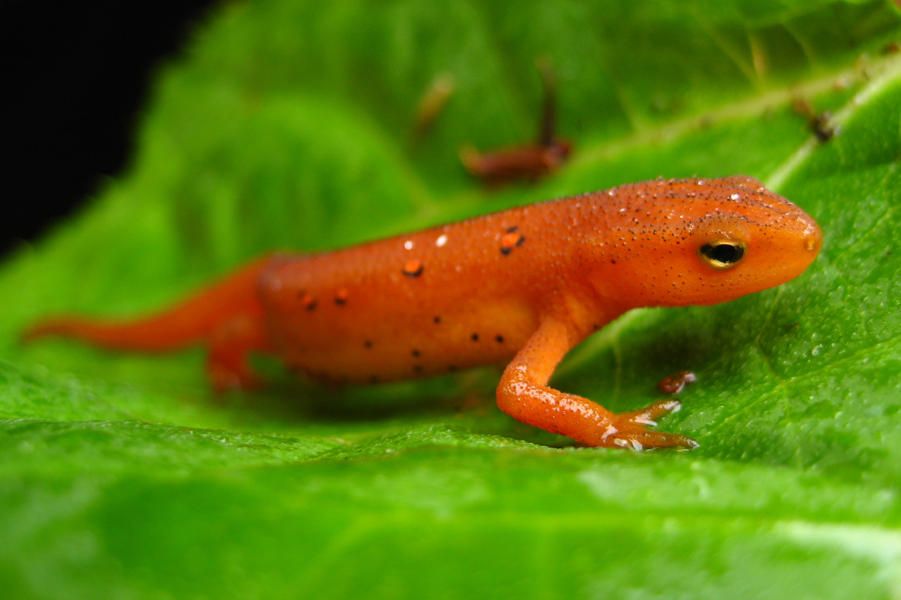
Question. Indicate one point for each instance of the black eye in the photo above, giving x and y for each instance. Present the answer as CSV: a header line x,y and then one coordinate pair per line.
x,y
722,254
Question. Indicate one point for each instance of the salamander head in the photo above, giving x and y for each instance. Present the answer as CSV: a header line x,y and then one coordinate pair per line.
x,y
696,241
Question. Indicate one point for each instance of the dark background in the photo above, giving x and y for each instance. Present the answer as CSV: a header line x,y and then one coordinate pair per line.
x,y
74,78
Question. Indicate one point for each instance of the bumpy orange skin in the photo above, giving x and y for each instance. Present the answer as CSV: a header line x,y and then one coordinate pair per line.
x,y
520,287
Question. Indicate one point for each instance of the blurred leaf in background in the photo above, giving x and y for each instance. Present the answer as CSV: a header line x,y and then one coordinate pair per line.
x,y
287,125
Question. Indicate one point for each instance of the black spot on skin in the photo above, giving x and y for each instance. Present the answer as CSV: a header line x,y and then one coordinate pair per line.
x,y
499,339
311,305
417,369
505,250
474,337
512,229
367,344
416,353
436,319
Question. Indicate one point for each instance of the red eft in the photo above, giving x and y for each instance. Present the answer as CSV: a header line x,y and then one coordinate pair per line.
x,y
519,287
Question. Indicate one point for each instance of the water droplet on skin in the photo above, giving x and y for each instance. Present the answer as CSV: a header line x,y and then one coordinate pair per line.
x,y
734,196
442,239
815,351
408,245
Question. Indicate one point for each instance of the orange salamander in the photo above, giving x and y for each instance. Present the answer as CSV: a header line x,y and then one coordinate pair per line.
x,y
520,287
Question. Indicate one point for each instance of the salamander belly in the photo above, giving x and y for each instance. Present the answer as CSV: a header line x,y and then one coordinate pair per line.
x,y
432,302
400,341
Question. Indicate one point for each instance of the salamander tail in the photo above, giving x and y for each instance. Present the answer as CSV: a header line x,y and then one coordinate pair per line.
x,y
195,320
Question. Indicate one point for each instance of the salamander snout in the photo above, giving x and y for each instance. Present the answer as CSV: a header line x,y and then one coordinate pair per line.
x,y
795,243
812,237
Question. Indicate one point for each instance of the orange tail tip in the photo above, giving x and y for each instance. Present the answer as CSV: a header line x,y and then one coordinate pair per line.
x,y
188,322
147,335
56,326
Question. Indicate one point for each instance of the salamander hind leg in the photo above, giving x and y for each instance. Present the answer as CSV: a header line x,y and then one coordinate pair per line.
x,y
229,348
524,395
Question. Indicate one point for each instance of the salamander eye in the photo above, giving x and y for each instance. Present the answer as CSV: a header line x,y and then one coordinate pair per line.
x,y
722,254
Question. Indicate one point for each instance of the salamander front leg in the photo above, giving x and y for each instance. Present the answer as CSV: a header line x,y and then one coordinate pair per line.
x,y
524,395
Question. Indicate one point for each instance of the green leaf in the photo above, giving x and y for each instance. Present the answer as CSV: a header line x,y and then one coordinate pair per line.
x,y
287,124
